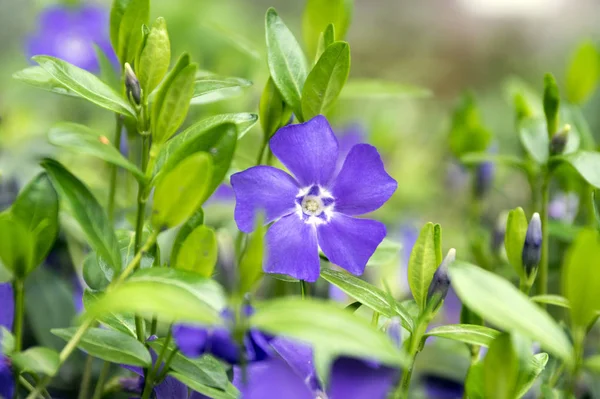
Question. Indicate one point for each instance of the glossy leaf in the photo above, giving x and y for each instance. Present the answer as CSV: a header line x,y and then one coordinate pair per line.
x,y
37,208
135,14
327,327
109,345
326,39
212,88
555,300
168,293
37,359
373,89
326,80
587,163
508,308
124,323
250,266
83,140
155,57
583,72
581,277
16,245
514,238
424,260
181,190
318,14
537,364
197,219
286,60
210,392
198,253
274,112
84,84
467,333
87,211
501,369
37,76
534,139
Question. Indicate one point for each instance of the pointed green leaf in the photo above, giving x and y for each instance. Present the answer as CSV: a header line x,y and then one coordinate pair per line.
x,y
198,253
39,360
16,245
197,219
555,300
501,369
583,72
537,364
326,39
273,110
192,381
587,163
37,76
467,333
318,14
212,88
514,238
134,15
424,260
155,57
124,323
116,15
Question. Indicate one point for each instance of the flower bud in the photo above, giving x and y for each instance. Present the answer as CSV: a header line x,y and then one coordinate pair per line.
x,y
559,140
132,84
484,176
394,331
438,289
532,249
499,232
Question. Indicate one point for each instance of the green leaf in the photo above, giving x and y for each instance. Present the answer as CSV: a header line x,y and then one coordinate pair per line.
x,y
124,323
366,294
551,103
168,293
84,84
514,239
387,251
534,139
537,364
326,80
38,359
286,60
587,164
467,133
424,260
37,76
507,308
16,245
7,341
212,88
250,267
135,14
583,72
83,140
501,369
592,363
326,39
198,253
109,345
116,16
197,219
274,112
37,208
318,14
555,300
581,277
181,191
373,89
155,57
327,327
193,383
476,158
474,385
87,211
467,333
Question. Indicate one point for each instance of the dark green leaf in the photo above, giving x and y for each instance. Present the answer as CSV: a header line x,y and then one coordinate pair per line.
x,y
514,239
534,139
326,80
250,267
198,253
85,84
37,76
124,323
424,260
286,61
273,110
212,88
181,190
109,345
87,211
155,57
508,308
38,359
467,333
551,103
83,140
587,163
383,90
135,14
318,14
501,369
37,207
555,300
583,72
197,219
16,245
193,383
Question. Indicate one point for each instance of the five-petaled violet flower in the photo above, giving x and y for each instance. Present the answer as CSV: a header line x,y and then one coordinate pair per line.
x,y
7,383
70,32
315,208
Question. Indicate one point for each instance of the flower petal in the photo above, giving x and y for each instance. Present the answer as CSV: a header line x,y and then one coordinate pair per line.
x,y
292,249
309,150
299,356
223,346
349,242
268,380
257,345
262,189
357,379
363,185
7,382
7,309
170,388
191,340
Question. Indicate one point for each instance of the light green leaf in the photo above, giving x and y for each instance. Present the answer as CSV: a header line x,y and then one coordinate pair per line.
x,y
16,245
250,267
212,88
326,80
286,60
38,359
274,112
197,219
116,15
501,369
387,251
326,327
318,14
372,89
555,300
326,39
536,365
87,211
507,308
474,384
7,341
583,72
181,190
424,260
83,140
193,383
198,253
124,323
592,363
37,76
587,163
467,132
135,14
155,57
84,84
467,333
112,346
534,139
514,239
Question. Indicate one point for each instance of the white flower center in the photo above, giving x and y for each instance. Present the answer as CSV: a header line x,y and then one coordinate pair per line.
x,y
314,205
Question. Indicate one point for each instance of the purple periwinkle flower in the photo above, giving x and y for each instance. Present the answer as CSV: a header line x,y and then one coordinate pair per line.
x,y
7,382
563,207
70,32
532,249
316,207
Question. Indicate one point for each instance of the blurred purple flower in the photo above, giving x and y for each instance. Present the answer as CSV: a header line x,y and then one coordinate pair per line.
x,y
563,207
437,387
7,382
223,194
314,209
69,33
348,138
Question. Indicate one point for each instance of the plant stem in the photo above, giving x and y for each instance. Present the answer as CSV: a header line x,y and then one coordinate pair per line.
x,y
524,286
261,153
100,384
31,388
413,349
19,288
542,279
85,380
113,172
303,289
149,383
578,340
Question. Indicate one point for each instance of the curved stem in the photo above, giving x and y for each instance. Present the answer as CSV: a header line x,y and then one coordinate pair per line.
x,y
85,380
100,384
542,279
149,382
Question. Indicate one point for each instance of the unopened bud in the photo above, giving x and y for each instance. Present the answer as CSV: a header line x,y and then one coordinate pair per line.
x,y
132,84
394,331
532,249
438,289
499,232
484,176
559,140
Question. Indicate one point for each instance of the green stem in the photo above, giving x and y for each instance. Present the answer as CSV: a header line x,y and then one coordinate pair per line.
x,y
413,350
261,153
114,170
303,289
165,369
19,288
542,279
149,383
590,206
85,380
100,384
23,381
578,340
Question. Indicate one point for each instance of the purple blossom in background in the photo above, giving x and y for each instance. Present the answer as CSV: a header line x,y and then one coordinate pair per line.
x,y
70,32
563,207
437,387
7,382
315,208
223,194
